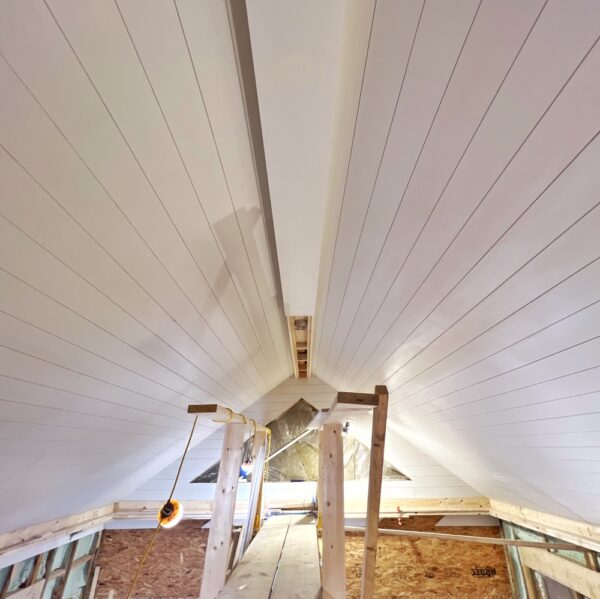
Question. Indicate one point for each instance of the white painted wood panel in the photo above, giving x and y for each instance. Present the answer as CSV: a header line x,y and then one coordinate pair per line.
x,y
393,31
469,93
434,48
479,309
129,290
149,217
503,257
428,479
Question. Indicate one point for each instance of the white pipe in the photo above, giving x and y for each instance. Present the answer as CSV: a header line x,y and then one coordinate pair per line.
x,y
466,538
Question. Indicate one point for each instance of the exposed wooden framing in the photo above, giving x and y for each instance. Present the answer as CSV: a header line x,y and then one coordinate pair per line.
x,y
442,536
331,511
94,583
349,405
33,591
4,588
35,539
309,341
320,481
374,497
219,536
578,533
590,560
529,581
36,569
64,572
224,415
388,507
60,587
26,542
259,454
300,332
147,510
361,399
567,572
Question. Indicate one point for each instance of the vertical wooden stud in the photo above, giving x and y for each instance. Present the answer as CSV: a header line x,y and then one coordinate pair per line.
x,y
259,455
333,573
374,496
219,536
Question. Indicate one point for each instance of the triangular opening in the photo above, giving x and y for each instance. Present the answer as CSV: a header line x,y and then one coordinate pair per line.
x,y
300,461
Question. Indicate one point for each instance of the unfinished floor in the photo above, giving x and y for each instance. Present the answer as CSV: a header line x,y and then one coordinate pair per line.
x,y
407,568
415,568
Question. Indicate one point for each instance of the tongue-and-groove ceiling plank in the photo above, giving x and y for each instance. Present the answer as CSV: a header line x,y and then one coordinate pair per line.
x,y
398,100
136,274
467,279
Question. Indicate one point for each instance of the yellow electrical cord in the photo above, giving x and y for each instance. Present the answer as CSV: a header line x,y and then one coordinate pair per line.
x,y
155,533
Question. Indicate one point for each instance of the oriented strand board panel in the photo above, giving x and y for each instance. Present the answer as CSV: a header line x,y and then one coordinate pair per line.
x,y
173,569
415,568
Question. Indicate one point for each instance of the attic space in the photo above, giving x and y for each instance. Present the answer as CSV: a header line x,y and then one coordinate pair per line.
x,y
299,300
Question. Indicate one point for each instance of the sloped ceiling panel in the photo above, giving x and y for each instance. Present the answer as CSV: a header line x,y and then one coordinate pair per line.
x,y
134,265
427,477
465,270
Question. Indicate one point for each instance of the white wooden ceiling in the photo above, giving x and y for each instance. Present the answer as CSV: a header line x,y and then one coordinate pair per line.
x,y
460,258
427,478
134,267
464,272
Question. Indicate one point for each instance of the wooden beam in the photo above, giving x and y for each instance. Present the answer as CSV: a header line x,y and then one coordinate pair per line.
x,y
349,405
374,497
224,415
388,507
567,572
331,512
26,542
579,533
442,536
361,399
219,536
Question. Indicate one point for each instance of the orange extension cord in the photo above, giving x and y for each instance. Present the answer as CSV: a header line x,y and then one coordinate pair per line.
x,y
155,533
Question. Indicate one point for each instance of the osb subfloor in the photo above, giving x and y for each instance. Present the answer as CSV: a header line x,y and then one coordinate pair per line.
x,y
406,568
173,569
416,568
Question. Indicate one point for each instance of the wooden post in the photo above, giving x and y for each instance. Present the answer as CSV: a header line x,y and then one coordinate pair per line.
x,y
374,497
259,454
219,536
333,574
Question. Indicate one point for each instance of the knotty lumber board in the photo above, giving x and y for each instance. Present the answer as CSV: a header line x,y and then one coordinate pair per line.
x,y
299,575
331,508
253,577
219,536
374,494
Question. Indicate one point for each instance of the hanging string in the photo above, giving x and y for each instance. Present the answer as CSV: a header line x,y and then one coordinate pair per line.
x,y
155,533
